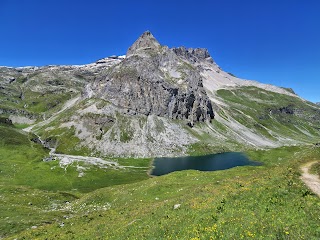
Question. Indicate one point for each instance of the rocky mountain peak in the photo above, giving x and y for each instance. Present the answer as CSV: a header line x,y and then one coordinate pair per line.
x,y
193,54
157,81
145,41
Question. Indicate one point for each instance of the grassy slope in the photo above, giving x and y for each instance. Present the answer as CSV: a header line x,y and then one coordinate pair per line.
x,y
37,94
268,202
34,192
263,107
265,113
33,103
21,164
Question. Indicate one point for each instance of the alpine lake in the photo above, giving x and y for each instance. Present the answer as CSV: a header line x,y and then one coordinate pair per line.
x,y
212,162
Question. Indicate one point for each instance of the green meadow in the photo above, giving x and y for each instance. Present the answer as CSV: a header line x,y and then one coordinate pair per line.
x,y
40,200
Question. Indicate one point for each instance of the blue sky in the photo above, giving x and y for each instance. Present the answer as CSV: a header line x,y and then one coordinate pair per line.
x,y
272,41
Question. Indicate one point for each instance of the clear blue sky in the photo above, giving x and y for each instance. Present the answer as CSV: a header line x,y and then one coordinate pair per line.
x,y
272,41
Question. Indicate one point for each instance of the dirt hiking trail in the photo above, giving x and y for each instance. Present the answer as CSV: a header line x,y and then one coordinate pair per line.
x,y
311,180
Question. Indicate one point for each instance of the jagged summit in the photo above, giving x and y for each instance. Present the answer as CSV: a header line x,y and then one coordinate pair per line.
x,y
148,41
145,41
158,82
193,54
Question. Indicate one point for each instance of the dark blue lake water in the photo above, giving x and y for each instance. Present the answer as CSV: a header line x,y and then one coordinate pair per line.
x,y
212,162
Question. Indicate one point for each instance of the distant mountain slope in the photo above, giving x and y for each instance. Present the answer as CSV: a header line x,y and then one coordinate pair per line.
x,y
156,101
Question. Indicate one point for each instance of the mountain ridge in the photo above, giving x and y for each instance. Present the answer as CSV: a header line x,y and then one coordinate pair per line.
x,y
156,101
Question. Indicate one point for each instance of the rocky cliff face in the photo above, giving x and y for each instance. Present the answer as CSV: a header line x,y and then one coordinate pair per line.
x,y
155,80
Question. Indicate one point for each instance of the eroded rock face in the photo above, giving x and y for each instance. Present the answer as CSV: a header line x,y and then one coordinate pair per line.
x,y
155,80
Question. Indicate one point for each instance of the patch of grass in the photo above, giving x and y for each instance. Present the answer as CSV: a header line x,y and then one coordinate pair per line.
x,y
49,102
21,125
315,169
126,131
12,137
23,207
201,148
136,162
101,103
125,136
67,142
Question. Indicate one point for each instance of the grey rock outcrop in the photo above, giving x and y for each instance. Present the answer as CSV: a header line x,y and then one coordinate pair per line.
x,y
5,121
155,80
144,42
193,54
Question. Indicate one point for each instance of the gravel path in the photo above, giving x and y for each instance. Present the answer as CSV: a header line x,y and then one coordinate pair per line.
x,y
311,180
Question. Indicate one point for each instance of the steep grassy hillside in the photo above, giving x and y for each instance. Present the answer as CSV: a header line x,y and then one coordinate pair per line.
x,y
250,117
268,202
31,94
275,116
